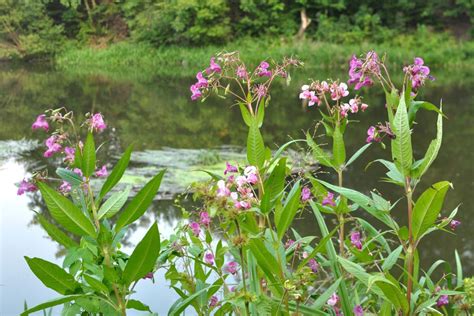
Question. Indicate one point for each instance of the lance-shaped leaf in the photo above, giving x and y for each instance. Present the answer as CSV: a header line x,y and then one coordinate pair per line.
x,y
428,206
267,262
52,276
246,116
88,156
66,213
255,145
113,204
143,258
117,172
318,153
402,152
52,303
140,202
338,148
391,290
432,151
273,186
56,234
416,105
362,200
67,175
284,215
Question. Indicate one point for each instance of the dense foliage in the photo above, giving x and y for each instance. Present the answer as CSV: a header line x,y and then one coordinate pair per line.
x,y
238,253
32,28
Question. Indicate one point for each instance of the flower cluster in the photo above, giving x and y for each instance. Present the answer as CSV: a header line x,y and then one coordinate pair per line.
x,y
361,71
356,240
227,71
238,189
418,73
320,92
60,141
375,134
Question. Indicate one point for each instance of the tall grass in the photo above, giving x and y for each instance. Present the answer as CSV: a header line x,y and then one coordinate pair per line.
x,y
128,58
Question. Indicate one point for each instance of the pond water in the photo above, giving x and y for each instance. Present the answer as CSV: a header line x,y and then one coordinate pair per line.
x,y
169,130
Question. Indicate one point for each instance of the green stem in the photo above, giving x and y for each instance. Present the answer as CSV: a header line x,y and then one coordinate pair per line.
x,y
341,219
411,244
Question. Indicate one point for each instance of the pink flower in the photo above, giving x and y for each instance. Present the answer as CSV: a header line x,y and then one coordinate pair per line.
x,y
204,218
344,109
202,82
41,123
313,264
358,310
289,243
232,267
454,224
372,135
26,186
333,300
69,154
261,90
338,91
78,172
149,275
329,200
442,300
305,194
97,122
418,73
363,107
252,178
209,258
354,105
262,70
213,301
234,196
196,93
242,205
356,240
241,72
213,66
230,168
241,180
195,228
102,172
309,95
65,187
53,146
361,70
222,189
250,170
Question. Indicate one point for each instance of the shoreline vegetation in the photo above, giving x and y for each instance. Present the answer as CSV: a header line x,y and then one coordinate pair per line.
x,y
126,57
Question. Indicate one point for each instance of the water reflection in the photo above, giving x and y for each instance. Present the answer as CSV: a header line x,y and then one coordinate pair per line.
x,y
170,131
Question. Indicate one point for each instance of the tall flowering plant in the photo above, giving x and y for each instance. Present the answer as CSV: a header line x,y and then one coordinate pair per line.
x,y
96,277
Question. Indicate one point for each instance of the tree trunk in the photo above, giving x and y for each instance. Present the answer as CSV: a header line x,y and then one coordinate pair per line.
x,y
305,22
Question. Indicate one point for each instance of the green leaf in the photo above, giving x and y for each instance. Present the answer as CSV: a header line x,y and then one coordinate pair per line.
x,y
357,154
267,262
67,175
140,202
66,213
392,258
432,151
113,204
320,155
255,146
393,174
416,105
323,298
96,284
428,206
180,305
56,234
143,258
391,291
338,148
459,276
116,173
261,113
53,302
248,119
137,305
273,186
52,276
88,156
362,200
333,260
284,216
402,153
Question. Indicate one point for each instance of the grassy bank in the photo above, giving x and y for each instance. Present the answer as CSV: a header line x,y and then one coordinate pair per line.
x,y
128,58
